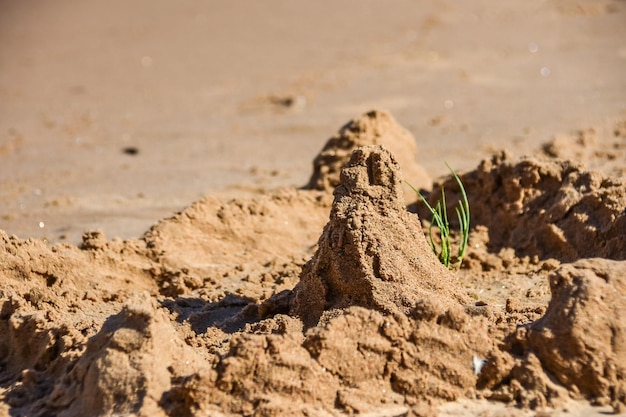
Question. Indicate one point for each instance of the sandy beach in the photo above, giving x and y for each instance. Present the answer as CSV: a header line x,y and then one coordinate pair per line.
x,y
204,208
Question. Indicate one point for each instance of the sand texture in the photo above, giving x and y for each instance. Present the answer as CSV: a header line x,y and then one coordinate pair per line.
x,y
209,208
232,308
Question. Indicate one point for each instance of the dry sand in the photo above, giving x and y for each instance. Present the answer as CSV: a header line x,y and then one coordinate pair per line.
x,y
194,238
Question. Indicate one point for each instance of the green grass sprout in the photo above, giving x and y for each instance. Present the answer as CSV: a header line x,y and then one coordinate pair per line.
x,y
440,221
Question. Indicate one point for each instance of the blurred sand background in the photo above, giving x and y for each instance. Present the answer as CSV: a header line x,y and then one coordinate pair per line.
x,y
116,114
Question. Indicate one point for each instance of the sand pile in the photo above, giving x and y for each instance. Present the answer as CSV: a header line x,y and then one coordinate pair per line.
x,y
578,344
376,127
372,252
232,308
52,301
126,367
217,244
581,340
546,208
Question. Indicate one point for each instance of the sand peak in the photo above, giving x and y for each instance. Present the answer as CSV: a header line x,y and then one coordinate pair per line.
x,y
372,252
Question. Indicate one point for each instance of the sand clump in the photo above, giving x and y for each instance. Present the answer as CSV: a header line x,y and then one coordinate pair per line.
x,y
578,344
581,339
127,366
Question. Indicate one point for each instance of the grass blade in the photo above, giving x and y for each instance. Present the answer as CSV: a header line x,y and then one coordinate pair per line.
x,y
440,220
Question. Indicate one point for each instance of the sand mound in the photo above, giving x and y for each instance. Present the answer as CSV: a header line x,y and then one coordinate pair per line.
x,y
372,252
53,300
262,241
372,128
581,339
126,367
546,208
580,342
